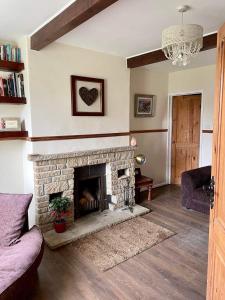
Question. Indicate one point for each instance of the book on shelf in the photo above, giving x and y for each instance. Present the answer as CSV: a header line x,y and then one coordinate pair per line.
x,y
1,87
5,86
9,53
12,86
21,90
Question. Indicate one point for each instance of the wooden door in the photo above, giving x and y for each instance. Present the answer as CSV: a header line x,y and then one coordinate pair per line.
x,y
186,115
216,260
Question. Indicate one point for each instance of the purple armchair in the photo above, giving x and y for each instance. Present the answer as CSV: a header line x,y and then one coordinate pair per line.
x,y
21,250
194,195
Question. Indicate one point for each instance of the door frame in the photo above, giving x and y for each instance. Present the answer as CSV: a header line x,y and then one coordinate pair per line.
x,y
169,126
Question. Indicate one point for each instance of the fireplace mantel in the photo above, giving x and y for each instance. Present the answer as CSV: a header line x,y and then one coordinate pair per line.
x,y
42,157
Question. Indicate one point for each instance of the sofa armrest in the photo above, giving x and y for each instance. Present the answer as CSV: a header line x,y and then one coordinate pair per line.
x,y
19,266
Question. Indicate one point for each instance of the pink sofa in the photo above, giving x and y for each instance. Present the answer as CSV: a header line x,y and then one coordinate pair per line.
x,y
18,261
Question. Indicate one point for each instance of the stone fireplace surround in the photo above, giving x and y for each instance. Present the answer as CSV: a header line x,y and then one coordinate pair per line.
x,y
54,173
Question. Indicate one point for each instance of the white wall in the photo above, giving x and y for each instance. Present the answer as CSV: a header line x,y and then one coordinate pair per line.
x,y
144,81
11,152
48,109
11,167
161,83
192,80
50,94
152,145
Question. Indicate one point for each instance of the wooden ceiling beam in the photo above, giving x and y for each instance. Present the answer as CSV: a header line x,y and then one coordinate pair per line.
x,y
73,16
209,42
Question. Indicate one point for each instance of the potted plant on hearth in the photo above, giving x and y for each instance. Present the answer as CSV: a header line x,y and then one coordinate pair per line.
x,y
59,208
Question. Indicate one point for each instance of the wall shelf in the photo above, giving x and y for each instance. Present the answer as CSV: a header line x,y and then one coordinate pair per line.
x,y
12,100
11,66
13,135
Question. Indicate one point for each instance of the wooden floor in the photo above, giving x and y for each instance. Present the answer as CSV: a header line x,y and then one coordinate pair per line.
x,y
173,269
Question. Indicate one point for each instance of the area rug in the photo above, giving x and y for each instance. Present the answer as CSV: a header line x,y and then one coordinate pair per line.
x,y
114,245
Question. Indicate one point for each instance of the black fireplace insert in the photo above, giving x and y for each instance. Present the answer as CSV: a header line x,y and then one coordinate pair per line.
x,y
90,190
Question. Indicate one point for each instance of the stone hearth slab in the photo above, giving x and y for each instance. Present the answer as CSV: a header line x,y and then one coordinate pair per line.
x,y
90,224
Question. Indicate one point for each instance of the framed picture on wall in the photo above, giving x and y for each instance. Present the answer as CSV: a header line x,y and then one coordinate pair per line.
x,y
144,105
10,124
87,96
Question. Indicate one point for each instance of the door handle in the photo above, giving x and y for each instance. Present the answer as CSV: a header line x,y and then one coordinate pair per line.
x,y
210,191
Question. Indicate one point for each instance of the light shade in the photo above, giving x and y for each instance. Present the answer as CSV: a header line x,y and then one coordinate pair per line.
x,y
180,42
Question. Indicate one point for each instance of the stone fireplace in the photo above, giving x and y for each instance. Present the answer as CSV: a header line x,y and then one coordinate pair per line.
x,y
93,180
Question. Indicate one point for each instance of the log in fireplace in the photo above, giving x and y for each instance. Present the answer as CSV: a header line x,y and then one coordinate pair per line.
x,y
90,190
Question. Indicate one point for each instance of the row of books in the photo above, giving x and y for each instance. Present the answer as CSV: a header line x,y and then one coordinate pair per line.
x,y
12,86
7,52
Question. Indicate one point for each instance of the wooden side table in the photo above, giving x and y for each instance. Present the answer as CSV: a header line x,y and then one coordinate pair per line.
x,y
142,181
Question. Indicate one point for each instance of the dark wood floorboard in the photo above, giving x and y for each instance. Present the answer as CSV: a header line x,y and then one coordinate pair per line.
x,y
175,269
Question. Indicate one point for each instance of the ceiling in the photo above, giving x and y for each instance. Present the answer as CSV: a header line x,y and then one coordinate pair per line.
x,y
22,17
126,28
130,27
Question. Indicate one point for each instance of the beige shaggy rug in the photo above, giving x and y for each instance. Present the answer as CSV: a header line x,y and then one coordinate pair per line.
x,y
114,245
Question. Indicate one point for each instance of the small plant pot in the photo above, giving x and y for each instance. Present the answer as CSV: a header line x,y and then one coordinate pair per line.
x,y
60,226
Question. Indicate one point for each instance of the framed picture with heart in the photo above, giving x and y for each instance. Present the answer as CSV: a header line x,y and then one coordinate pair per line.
x,y
87,96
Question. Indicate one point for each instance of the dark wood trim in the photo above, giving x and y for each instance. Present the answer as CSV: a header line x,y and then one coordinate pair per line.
x,y
73,16
207,131
209,42
74,80
146,59
12,100
11,66
90,136
148,131
23,135
76,137
13,135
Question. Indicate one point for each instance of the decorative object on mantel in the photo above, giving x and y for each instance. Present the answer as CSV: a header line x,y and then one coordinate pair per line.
x,y
181,42
133,141
10,124
59,208
144,105
87,96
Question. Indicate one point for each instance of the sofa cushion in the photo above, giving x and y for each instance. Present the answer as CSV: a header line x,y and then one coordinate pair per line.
x,y
13,210
17,259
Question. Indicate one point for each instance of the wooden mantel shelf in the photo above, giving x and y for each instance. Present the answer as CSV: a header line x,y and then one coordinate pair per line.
x,y
11,66
13,135
12,100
